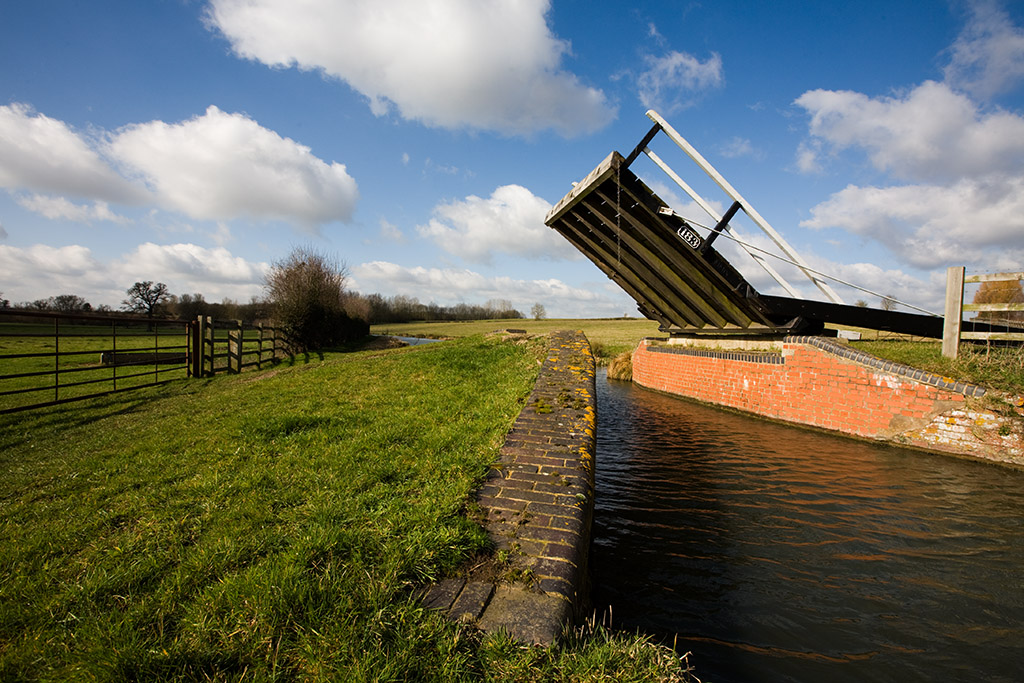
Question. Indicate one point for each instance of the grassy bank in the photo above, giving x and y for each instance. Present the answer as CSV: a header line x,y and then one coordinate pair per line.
x,y
608,336
996,368
268,526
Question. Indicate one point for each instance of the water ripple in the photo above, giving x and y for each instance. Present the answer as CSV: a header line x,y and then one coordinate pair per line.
x,y
780,554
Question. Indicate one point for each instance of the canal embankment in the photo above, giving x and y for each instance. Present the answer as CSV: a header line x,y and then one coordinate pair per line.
x,y
823,383
537,506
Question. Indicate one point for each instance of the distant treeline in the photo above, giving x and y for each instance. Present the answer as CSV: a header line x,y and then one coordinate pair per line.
x,y
374,308
186,306
401,309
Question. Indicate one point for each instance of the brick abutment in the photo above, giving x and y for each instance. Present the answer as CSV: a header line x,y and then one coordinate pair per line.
x,y
823,383
538,503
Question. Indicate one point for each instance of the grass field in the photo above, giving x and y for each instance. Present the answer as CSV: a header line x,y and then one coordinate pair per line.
x,y
608,336
272,525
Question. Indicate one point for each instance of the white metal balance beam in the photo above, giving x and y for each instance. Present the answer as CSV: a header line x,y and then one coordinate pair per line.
x,y
749,210
716,217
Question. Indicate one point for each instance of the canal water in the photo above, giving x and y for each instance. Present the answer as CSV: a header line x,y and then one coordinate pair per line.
x,y
773,553
418,341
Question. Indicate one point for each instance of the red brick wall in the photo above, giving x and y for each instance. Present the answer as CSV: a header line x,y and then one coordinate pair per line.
x,y
811,386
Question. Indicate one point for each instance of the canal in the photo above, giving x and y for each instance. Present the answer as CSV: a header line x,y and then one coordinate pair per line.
x,y
779,554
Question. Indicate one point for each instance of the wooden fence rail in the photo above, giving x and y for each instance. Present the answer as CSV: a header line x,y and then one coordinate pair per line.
x,y
233,346
955,307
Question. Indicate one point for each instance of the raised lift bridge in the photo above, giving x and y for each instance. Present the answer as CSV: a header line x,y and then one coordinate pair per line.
x,y
676,275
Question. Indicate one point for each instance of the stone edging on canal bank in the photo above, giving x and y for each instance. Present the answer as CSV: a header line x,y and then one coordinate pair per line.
x,y
538,503
822,383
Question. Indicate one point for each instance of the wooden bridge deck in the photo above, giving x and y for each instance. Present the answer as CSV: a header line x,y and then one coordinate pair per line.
x,y
615,220
678,279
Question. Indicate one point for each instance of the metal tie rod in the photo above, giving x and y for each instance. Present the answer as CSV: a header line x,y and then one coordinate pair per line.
x,y
749,210
717,218
817,272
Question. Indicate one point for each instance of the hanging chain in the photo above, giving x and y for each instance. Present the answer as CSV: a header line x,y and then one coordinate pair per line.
x,y
618,214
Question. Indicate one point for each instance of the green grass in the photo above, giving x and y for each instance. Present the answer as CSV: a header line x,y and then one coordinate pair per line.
x,y
997,368
608,336
269,526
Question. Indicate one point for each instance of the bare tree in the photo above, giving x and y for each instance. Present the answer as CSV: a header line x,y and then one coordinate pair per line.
x,y
146,297
538,311
307,291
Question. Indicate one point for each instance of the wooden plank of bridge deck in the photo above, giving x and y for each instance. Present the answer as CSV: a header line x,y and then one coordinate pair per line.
x,y
638,288
657,278
706,290
710,311
605,169
709,280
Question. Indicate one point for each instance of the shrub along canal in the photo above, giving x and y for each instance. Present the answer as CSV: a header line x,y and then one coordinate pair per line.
x,y
780,554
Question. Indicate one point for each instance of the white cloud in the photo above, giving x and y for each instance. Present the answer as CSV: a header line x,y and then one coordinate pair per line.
x,y
486,64
672,82
41,271
222,234
988,55
973,222
448,286
510,221
220,166
44,154
930,133
46,261
962,164
391,233
807,157
56,208
190,267
217,166
740,147
927,293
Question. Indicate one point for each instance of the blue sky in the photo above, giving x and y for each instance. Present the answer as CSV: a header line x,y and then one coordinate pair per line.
x,y
421,142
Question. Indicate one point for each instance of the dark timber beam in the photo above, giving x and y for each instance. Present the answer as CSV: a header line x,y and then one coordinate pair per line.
x,y
717,230
654,267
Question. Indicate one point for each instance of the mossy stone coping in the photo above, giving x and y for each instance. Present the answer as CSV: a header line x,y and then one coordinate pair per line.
x,y
538,502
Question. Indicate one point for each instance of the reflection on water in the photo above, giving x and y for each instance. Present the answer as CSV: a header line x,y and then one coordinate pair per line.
x,y
779,554
416,341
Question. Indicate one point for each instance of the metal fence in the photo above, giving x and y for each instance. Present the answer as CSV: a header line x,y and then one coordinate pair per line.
x,y
52,358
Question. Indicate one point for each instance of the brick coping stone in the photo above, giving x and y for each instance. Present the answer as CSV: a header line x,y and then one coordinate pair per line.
x,y
538,503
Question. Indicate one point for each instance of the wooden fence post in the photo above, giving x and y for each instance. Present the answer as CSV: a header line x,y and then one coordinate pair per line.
x,y
235,348
208,346
198,332
954,312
